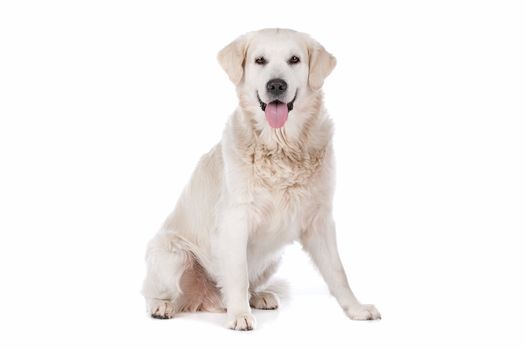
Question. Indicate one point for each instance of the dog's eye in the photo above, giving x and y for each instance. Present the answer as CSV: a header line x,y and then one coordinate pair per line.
x,y
260,60
294,60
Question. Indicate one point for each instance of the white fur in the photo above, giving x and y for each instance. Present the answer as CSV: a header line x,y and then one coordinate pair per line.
x,y
258,190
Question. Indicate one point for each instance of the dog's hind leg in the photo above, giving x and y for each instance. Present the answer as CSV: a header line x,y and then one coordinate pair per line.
x,y
261,297
166,261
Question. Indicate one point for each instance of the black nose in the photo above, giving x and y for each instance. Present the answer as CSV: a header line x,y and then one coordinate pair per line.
x,y
276,86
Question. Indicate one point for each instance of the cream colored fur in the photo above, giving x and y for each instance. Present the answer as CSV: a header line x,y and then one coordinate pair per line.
x,y
255,192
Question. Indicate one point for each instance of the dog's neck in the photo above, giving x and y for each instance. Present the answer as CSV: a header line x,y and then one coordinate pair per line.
x,y
308,130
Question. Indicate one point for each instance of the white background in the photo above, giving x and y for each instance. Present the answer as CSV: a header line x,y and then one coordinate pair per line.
x,y
106,106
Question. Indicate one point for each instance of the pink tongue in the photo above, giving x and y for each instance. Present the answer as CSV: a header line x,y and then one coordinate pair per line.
x,y
276,114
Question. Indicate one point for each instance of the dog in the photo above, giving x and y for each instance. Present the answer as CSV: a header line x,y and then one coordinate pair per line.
x,y
268,183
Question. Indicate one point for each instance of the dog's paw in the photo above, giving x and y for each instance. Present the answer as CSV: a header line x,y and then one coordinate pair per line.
x,y
363,312
162,309
241,322
264,301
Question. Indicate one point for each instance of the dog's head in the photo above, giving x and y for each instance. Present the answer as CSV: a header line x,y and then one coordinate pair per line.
x,y
276,71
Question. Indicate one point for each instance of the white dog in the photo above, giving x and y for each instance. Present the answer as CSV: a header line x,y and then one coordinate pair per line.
x,y
269,182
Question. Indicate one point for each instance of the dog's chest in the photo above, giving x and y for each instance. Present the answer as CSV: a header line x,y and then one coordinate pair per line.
x,y
286,171
284,194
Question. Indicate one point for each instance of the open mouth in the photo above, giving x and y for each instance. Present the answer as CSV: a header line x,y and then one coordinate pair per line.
x,y
276,112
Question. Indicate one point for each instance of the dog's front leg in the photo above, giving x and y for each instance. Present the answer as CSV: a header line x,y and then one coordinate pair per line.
x,y
319,240
231,247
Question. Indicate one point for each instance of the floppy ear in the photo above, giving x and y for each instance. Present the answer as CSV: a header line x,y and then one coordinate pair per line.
x,y
321,64
231,59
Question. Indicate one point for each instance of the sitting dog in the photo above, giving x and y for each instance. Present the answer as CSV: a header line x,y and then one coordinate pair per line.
x,y
269,182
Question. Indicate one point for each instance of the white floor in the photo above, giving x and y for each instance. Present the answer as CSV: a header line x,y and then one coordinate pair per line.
x,y
110,314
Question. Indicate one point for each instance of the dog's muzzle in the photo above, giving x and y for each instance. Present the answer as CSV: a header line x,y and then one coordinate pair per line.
x,y
289,104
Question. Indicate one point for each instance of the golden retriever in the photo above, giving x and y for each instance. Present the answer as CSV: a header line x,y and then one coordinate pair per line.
x,y
267,183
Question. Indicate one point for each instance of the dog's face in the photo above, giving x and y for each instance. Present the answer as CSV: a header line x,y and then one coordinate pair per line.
x,y
276,71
